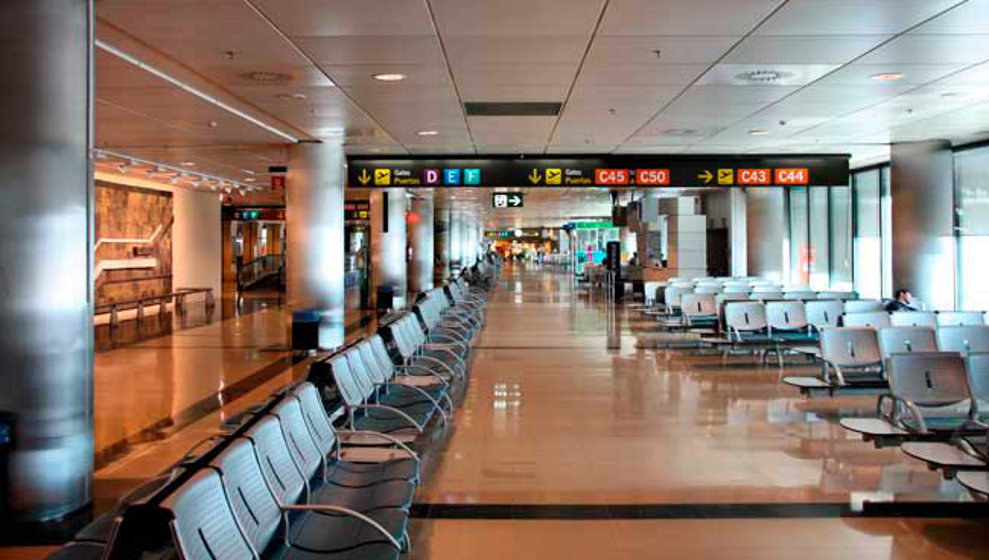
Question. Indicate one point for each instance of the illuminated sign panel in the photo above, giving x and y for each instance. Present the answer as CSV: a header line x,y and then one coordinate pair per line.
x,y
599,171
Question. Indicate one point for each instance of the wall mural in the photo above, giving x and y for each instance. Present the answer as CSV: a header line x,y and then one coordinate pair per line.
x,y
133,250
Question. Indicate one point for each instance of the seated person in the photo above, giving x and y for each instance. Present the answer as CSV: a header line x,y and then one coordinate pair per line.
x,y
902,302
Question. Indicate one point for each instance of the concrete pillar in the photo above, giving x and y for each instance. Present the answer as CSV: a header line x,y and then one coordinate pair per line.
x,y
441,245
315,253
388,243
923,222
737,233
46,320
420,224
455,253
687,236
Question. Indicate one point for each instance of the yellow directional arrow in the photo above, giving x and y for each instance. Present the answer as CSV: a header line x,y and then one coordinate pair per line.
x,y
364,178
535,177
706,176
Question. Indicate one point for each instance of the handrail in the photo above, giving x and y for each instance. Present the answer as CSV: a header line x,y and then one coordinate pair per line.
x,y
259,269
178,296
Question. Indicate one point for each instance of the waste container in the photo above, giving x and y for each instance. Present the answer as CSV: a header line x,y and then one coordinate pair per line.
x,y
386,298
305,329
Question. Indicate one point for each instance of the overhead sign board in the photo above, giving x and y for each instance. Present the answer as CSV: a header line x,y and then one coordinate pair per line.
x,y
357,210
599,171
507,200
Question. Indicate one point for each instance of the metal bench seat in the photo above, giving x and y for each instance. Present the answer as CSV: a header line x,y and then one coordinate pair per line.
x,y
364,413
929,400
851,362
296,470
238,517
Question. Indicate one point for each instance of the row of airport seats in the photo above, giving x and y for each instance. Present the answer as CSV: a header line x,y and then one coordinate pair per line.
x,y
936,411
675,296
325,468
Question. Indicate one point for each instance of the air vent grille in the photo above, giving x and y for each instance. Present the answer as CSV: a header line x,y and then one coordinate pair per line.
x,y
512,109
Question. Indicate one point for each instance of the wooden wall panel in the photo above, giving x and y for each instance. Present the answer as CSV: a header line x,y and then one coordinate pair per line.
x,y
133,242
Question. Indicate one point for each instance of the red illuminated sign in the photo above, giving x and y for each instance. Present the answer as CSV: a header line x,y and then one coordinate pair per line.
x,y
652,177
792,177
754,177
611,176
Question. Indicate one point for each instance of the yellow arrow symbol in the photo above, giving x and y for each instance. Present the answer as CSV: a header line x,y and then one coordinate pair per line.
x,y
364,178
535,177
706,176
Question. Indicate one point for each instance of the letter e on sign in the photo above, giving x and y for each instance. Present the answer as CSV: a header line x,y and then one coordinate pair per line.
x,y
754,177
652,177
792,177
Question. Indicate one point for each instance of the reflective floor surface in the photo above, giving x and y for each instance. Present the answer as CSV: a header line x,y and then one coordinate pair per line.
x,y
575,443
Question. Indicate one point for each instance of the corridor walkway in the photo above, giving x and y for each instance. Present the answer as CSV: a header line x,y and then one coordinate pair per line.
x,y
573,443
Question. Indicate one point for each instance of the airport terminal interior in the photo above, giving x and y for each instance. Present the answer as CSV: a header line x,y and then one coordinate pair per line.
x,y
494,279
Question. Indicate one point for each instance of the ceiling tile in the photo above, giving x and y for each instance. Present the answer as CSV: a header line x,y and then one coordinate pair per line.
x,y
851,17
316,18
516,17
803,50
641,49
685,17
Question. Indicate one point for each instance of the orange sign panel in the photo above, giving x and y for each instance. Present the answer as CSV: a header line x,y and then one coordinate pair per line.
x,y
749,177
611,176
792,177
652,177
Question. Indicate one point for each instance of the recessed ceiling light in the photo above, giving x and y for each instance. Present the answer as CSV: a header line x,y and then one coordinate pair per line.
x,y
758,132
681,132
264,77
298,96
764,76
188,164
428,132
389,77
250,179
887,77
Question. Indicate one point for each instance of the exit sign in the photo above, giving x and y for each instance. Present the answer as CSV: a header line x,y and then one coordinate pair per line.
x,y
507,200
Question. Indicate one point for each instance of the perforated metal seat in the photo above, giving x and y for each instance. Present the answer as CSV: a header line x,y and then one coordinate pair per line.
x,y
863,306
963,339
874,319
822,314
913,319
401,464
893,340
960,318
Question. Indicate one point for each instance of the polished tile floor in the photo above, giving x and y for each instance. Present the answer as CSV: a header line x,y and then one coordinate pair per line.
x,y
574,441
637,446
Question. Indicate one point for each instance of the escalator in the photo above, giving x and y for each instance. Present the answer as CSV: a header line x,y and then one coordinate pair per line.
x,y
263,273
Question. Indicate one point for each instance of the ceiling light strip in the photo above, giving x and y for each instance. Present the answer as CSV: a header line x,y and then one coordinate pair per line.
x,y
194,91
171,168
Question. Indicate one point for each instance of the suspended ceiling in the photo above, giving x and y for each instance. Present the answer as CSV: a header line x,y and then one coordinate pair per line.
x,y
634,76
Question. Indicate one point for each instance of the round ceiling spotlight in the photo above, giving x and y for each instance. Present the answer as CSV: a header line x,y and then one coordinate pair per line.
x,y
763,76
887,77
758,132
297,96
389,77
428,132
188,164
265,77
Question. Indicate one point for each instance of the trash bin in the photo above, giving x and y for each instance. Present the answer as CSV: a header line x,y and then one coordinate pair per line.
x,y
305,329
386,298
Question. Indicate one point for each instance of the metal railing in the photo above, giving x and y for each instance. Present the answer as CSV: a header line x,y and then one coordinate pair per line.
x,y
259,269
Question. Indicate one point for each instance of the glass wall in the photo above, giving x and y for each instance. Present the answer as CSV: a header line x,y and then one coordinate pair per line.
x,y
840,218
872,246
972,227
817,248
